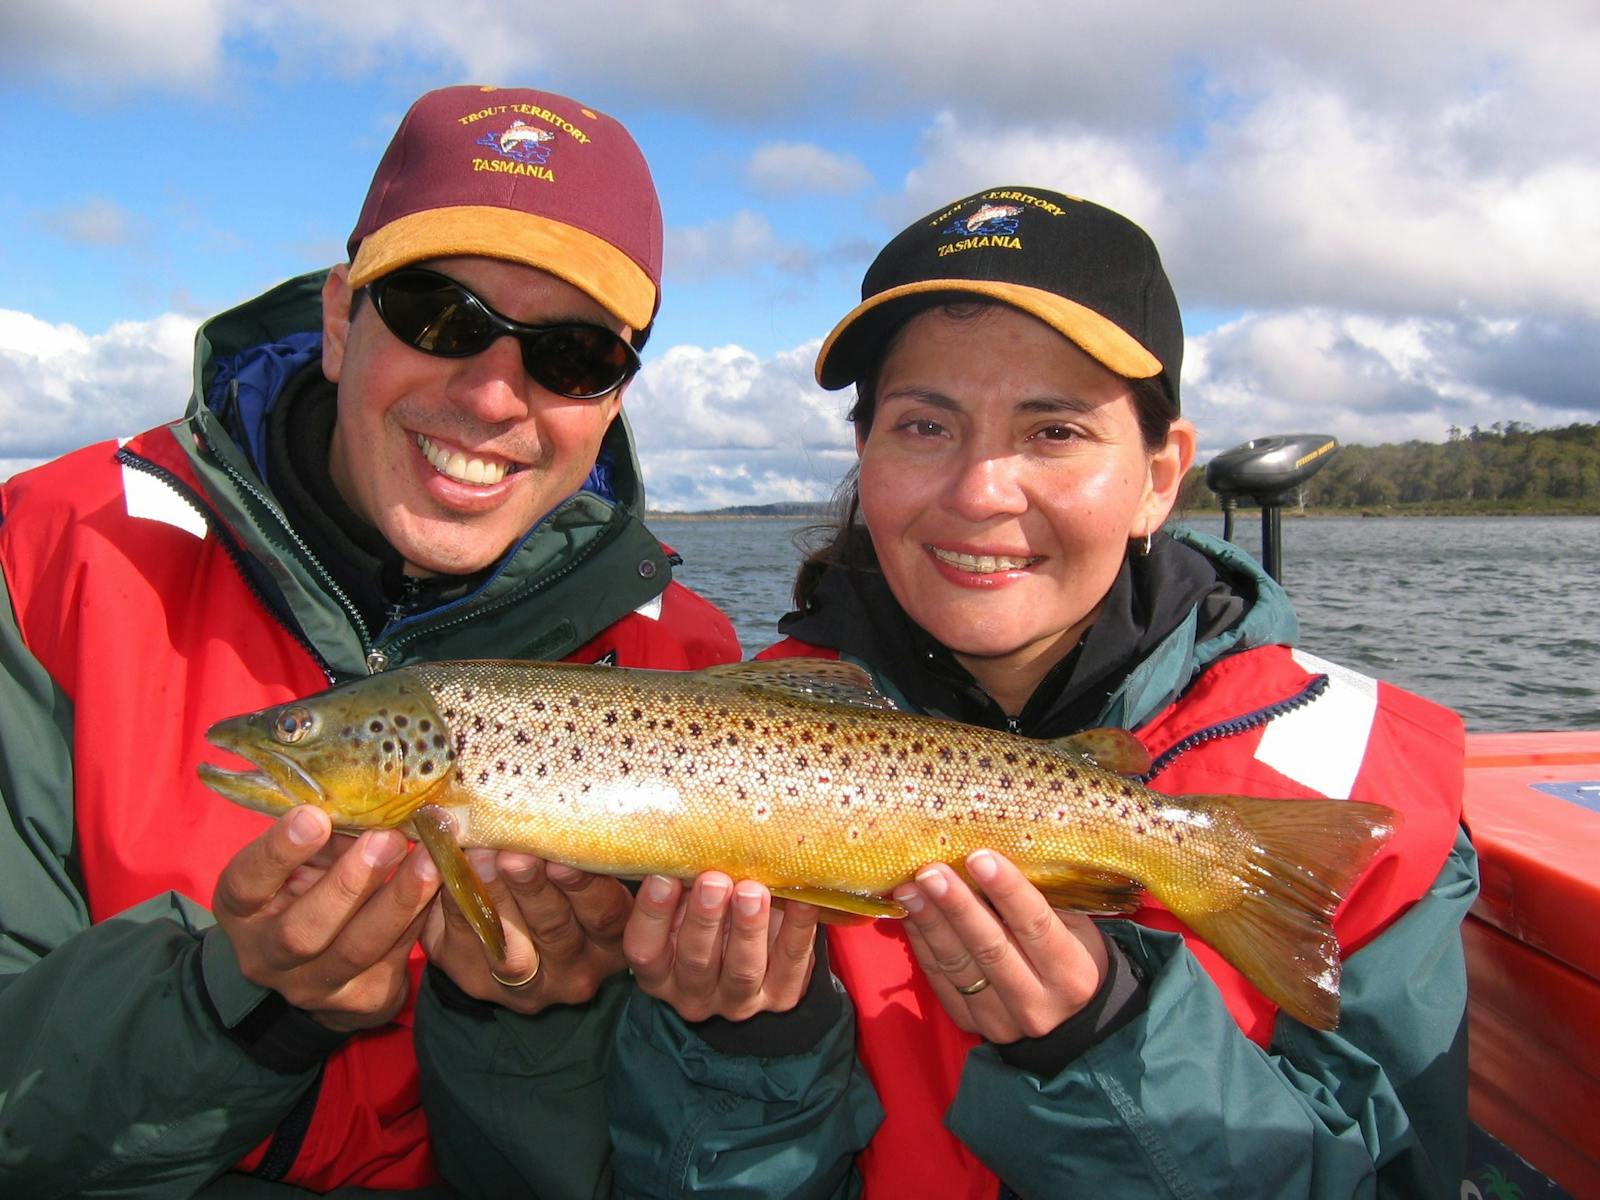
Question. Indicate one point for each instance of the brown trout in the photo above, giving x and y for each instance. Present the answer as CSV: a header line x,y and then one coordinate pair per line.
x,y
801,775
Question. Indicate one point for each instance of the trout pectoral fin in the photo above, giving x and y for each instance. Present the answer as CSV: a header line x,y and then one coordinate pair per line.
x,y
840,902
435,831
1084,889
1110,749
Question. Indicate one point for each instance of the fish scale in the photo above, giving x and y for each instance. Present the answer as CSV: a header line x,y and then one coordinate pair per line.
x,y
800,775
743,783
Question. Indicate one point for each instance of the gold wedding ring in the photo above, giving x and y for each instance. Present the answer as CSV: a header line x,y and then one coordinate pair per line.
x,y
972,989
517,983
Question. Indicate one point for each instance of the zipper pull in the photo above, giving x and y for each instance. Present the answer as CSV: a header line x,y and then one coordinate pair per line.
x,y
377,661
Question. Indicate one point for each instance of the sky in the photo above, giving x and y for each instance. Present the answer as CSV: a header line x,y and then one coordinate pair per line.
x,y
1382,220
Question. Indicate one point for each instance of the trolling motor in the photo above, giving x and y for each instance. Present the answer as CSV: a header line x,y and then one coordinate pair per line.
x,y
1266,471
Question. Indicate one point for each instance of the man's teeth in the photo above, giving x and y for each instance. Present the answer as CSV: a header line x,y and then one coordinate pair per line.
x,y
459,467
981,564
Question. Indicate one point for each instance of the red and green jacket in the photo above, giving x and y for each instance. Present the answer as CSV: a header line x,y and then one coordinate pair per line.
x,y
150,589
1210,1091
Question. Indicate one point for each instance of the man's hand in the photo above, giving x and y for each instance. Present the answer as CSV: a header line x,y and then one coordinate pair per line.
x,y
720,949
327,922
563,933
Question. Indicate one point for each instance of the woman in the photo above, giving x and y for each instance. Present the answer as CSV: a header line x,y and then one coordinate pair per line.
x,y
1001,562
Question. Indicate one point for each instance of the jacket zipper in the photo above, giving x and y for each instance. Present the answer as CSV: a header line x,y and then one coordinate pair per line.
x,y
1314,687
327,580
235,552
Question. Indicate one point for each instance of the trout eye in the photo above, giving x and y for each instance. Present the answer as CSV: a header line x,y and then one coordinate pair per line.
x,y
292,725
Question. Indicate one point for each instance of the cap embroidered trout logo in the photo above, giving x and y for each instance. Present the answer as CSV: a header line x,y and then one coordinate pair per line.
x,y
521,141
991,218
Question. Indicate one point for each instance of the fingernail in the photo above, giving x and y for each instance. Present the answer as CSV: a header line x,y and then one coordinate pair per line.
x,y
932,882
422,863
657,889
482,864
304,828
983,866
747,900
713,892
519,869
382,849
909,898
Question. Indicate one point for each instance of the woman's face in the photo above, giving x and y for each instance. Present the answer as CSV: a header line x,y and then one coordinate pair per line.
x,y
1002,478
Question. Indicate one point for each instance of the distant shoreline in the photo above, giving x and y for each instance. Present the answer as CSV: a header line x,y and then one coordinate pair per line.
x,y
1243,513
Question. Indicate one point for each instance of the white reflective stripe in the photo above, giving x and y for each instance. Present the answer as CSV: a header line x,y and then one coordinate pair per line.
x,y
651,609
150,499
1322,745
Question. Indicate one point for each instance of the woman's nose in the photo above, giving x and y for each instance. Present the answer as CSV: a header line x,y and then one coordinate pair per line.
x,y
986,485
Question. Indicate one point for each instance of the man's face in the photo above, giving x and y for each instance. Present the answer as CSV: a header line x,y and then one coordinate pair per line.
x,y
454,459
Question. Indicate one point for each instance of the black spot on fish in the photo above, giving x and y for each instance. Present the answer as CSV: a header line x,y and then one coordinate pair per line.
x,y
483,776
636,713
375,727
522,737
611,716
577,754
541,771
401,721
694,729
425,725
388,747
426,768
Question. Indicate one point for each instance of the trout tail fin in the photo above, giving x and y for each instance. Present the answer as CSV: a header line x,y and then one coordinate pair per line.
x,y
1303,857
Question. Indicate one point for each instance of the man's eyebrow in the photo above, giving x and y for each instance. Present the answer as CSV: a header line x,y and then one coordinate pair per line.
x,y
1045,405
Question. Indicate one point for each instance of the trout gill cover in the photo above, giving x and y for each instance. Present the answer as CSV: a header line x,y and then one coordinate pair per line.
x,y
800,775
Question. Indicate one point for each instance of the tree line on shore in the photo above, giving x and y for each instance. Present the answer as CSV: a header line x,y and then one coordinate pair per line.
x,y
1508,467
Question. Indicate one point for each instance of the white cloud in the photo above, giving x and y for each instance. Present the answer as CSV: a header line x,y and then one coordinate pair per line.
x,y
1368,380
61,388
104,47
721,426
798,168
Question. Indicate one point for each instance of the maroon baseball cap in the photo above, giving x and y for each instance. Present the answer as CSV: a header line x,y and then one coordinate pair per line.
x,y
522,175
1088,272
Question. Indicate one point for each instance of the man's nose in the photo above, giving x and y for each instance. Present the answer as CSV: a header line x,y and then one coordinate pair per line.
x,y
493,385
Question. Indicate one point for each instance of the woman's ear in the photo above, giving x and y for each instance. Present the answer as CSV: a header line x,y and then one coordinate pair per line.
x,y
1168,468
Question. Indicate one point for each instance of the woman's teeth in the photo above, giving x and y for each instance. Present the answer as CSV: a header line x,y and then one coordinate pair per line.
x,y
981,564
459,467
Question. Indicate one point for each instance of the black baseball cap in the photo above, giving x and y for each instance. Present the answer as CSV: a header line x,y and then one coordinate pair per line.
x,y
1088,272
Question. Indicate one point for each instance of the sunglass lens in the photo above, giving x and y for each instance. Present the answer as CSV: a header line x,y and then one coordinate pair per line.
x,y
434,314
577,360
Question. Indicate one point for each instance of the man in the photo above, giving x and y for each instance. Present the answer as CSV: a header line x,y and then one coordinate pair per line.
x,y
417,455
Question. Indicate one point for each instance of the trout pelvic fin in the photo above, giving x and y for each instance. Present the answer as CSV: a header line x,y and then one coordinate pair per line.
x,y
1085,889
833,904
1304,858
437,832
808,678
1110,749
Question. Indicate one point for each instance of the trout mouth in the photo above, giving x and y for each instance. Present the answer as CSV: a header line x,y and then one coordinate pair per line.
x,y
277,784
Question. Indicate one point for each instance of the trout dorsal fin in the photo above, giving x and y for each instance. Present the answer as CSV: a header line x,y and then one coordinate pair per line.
x,y
1110,749
807,678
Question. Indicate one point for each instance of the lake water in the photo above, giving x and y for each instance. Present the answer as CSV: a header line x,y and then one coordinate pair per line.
x,y
1498,617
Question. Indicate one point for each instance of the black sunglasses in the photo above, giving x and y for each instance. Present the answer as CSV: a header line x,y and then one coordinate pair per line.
x,y
435,314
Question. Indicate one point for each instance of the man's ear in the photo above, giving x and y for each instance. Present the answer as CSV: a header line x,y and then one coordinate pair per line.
x,y
337,297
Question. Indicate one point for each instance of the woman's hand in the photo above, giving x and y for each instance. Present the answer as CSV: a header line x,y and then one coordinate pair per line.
x,y
1006,969
328,922
563,932
719,949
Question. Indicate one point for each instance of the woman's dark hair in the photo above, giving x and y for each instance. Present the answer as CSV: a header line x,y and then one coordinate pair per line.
x,y
844,541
